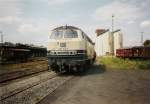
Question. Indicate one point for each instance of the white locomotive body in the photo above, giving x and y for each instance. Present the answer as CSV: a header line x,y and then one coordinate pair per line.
x,y
69,49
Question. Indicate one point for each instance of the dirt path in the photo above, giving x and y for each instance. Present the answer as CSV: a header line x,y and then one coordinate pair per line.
x,y
100,86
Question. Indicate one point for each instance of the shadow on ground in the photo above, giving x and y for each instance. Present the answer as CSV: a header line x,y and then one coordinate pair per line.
x,y
96,69
90,70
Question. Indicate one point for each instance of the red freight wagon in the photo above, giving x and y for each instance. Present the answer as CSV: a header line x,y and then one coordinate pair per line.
x,y
124,52
137,52
146,52
134,52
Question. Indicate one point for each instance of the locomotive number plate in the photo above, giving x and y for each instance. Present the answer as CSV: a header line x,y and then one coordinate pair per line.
x,y
62,44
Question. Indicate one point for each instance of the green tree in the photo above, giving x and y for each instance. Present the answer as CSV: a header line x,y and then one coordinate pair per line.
x,y
146,43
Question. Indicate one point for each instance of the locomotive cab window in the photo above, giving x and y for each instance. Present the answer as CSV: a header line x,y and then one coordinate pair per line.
x,y
83,35
57,34
70,34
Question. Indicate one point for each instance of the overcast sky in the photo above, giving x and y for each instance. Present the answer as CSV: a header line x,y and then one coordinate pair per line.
x,y
30,21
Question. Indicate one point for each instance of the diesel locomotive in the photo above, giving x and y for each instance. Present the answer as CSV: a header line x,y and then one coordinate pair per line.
x,y
69,49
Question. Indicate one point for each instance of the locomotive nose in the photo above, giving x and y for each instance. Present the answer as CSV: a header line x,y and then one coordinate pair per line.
x,y
67,44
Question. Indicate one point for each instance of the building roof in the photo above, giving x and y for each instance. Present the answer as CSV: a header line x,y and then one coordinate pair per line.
x,y
101,31
116,30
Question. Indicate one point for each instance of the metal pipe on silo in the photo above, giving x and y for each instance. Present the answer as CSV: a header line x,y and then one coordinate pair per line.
x,y
1,36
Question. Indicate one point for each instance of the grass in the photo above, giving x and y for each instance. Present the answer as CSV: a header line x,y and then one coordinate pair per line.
x,y
119,63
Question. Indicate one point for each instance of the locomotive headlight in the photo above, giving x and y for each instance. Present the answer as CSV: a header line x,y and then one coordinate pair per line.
x,y
81,51
48,52
73,52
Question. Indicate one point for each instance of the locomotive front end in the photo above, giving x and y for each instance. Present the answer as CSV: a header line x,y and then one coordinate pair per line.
x,y
66,49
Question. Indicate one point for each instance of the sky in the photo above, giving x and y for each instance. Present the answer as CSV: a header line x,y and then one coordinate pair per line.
x,y
30,21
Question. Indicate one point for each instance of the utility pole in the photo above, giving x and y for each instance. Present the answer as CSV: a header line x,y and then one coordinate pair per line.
x,y
112,22
1,36
142,37
112,34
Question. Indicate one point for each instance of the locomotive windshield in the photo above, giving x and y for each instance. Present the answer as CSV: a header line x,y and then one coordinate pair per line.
x,y
70,34
66,33
57,34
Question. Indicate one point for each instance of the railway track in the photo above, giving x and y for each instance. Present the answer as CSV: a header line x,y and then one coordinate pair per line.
x,y
8,87
31,90
6,77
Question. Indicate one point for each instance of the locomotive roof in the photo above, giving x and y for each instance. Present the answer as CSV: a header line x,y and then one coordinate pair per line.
x,y
66,27
72,27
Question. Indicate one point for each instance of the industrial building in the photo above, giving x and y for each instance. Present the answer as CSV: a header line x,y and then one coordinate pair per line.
x,y
118,40
107,42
